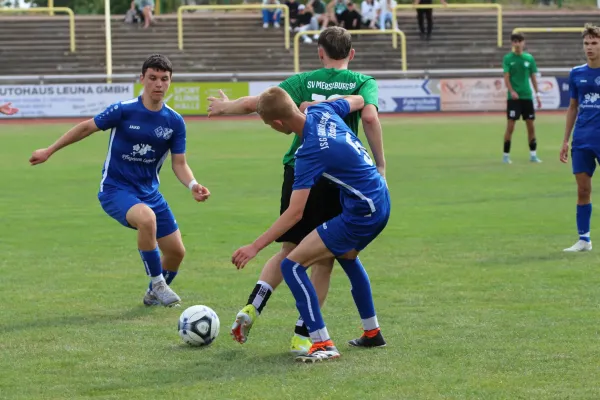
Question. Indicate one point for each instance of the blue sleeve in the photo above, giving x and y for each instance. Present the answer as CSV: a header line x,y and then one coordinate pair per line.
x,y
308,168
179,138
110,117
341,107
573,86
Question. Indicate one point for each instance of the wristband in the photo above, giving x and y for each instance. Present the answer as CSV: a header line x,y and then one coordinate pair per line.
x,y
192,183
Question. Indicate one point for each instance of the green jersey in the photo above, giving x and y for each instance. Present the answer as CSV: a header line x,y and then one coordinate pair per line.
x,y
520,67
326,83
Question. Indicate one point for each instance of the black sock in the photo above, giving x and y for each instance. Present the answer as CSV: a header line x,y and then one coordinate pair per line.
x,y
507,146
260,295
301,330
533,145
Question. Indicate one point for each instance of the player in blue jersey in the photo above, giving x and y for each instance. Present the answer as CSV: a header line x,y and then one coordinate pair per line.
x,y
143,132
330,150
584,115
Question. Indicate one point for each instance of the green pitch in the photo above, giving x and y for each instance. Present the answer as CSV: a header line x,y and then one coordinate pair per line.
x,y
473,292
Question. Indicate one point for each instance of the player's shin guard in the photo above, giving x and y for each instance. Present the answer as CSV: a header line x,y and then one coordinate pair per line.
x,y
307,302
533,145
152,262
260,296
506,146
584,217
361,292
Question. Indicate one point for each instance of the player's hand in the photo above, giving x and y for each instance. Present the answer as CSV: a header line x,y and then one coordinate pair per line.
x,y
381,171
514,95
7,109
39,156
243,255
564,153
200,192
217,104
539,101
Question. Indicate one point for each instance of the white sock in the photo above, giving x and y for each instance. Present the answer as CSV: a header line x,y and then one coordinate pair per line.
x,y
320,336
533,153
506,154
158,279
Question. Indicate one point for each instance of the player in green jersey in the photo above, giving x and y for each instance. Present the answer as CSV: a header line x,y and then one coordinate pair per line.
x,y
519,67
333,80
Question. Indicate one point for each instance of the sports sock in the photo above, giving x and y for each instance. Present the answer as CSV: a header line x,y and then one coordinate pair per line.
x,y
506,147
152,262
307,302
533,145
301,328
360,288
260,295
584,216
168,275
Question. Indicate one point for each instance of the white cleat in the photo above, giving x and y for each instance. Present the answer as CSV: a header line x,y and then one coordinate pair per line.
x,y
165,295
581,245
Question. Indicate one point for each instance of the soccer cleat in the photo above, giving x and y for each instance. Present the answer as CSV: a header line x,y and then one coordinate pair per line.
x,y
243,323
150,298
506,159
365,341
300,345
320,351
165,295
581,245
535,159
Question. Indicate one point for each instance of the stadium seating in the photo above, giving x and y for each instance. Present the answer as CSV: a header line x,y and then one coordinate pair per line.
x,y
236,42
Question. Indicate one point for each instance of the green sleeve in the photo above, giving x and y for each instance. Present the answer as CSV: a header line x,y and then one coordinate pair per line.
x,y
505,64
291,85
534,67
370,92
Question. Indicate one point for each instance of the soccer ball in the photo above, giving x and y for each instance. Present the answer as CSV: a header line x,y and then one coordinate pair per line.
x,y
198,325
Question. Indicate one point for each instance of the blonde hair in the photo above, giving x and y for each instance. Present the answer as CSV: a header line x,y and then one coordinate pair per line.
x,y
591,30
274,103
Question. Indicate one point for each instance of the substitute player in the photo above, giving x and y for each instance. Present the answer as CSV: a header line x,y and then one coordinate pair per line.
x,y
584,115
331,151
143,132
335,52
519,67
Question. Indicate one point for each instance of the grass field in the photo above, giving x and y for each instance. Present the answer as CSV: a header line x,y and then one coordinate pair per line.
x,y
473,292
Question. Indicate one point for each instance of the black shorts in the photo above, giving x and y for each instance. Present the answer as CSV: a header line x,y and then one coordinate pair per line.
x,y
322,205
516,109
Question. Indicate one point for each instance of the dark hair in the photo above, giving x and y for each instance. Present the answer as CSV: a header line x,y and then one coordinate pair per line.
x,y
157,62
336,42
517,37
591,30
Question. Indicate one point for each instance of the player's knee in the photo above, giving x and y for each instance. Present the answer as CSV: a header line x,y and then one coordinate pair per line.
x,y
145,219
584,192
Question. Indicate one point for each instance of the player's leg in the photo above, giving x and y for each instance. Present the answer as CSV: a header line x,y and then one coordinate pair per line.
x,y
584,165
513,112
529,117
429,16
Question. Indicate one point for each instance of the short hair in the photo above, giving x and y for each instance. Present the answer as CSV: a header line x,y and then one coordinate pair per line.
x,y
591,30
157,62
336,42
274,103
517,37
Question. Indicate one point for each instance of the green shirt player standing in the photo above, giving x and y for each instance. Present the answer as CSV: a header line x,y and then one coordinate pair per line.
x,y
519,67
334,80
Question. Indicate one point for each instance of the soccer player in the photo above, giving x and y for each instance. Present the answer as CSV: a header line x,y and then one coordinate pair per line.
x,y
143,132
335,52
7,109
584,115
519,67
331,151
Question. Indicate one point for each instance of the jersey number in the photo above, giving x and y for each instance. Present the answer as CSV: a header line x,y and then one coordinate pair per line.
x,y
359,148
320,97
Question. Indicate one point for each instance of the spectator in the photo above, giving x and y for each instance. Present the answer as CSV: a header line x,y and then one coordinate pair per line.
x,y
368,10
385,8
293,7
319,12
426,13
145,8
335,8
306,21
271,14
351,17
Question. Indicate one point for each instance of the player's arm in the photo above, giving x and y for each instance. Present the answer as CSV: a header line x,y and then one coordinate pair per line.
x,y
371,123
506,69
571,118
73,135
534,82
223,106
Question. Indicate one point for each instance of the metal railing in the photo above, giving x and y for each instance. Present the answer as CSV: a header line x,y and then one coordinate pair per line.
x,y
553,30
51,11
394,32
498,7
286,16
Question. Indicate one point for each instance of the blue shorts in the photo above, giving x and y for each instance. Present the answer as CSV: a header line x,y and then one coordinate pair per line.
x,y
116,203
344,233
584,160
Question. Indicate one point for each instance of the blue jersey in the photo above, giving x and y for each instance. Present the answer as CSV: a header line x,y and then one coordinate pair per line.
x,y
330,149
140,141
584,85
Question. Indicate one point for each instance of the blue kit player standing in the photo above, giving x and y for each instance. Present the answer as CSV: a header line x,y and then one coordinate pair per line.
x,y
330,150
584,114
143,132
